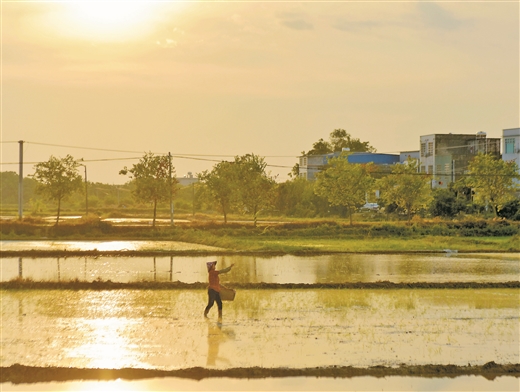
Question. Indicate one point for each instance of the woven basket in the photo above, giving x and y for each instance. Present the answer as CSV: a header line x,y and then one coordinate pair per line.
x,y
227,294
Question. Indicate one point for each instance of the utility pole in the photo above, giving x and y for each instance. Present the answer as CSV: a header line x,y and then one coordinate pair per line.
x,y
86,188
171,190
20,181
193,198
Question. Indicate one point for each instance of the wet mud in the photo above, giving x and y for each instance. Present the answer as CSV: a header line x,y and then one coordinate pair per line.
x,y
27,284
19,374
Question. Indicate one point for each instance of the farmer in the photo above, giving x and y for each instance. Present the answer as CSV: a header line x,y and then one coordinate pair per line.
x,y
214,287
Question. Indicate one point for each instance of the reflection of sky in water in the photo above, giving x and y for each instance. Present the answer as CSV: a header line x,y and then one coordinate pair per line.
x,y
391,383
100,245
165,329
104,344
336,268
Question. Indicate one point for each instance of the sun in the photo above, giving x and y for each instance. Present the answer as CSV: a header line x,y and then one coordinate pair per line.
x,y
108,20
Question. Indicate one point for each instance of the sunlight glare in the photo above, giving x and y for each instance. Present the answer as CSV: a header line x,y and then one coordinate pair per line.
x,y
109,20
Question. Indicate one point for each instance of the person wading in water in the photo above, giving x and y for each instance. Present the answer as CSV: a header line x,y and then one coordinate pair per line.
x,y
214,287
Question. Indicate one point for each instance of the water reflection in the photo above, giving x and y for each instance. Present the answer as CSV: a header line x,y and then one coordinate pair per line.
x,y
164,329
104,344
216,336
391,383
337,268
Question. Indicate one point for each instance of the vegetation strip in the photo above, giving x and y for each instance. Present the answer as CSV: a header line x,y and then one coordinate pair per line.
x,y
20,374
164,253
27,284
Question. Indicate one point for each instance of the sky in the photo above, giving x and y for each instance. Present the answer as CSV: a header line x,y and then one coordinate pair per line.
x,y
107,81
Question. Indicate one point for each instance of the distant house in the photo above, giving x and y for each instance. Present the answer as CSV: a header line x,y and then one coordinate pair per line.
x,y
446,156
405,155
188,179
313,164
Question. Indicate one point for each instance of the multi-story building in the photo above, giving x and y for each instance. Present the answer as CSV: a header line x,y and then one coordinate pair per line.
x,y
511,146
446,156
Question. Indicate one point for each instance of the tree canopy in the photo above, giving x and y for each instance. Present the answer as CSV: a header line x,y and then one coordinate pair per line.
x,y
153,178
58,178
406,188
338,140
492,180
242,183
345,184
220,186
255,185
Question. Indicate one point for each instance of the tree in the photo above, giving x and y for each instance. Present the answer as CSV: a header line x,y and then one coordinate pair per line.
x,y
220,185
345,184
255,185
510,210
297,198
153,179
492,180
339,139
58,178
405,187
446,203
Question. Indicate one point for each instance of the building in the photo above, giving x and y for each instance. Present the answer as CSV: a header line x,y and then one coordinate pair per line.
x,y
511,146
188,179
310,165
446,156
405,155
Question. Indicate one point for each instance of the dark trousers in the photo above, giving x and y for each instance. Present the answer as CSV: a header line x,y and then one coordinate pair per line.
x,y
212,297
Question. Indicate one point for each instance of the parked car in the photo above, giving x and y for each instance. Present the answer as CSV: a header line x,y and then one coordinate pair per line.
x,y
370,207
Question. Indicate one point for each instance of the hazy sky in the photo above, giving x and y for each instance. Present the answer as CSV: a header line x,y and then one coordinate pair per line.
x,y
211,80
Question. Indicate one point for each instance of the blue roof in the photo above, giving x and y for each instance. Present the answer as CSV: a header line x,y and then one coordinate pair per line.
x,y
378,159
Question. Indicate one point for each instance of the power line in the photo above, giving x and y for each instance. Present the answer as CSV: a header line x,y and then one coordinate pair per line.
x,y
159,153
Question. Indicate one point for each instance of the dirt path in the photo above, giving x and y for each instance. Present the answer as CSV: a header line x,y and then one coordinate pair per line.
x,y
28,284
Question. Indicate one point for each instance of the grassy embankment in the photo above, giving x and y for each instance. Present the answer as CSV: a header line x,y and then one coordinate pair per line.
x,y
311,236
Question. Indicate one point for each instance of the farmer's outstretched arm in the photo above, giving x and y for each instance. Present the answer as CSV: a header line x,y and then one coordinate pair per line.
x,y
225,270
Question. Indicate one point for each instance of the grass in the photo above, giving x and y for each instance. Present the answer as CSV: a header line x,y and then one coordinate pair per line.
x,y
367,245
310,236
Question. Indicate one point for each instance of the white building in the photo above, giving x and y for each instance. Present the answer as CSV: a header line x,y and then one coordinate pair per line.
x,y
511,145
446,156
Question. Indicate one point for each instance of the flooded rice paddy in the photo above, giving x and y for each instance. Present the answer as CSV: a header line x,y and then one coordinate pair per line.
x,y
337,268
371,339
164,329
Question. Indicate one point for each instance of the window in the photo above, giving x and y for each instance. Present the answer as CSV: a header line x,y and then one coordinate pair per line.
x,y
438,169
447,168
510,146
430,169
423,169
430,148
423,149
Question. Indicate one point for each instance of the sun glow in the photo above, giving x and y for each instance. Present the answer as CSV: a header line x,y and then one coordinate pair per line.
x,y
107,20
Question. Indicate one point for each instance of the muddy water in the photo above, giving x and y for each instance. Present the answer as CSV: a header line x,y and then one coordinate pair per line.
x,y
283,269
264,328
392,383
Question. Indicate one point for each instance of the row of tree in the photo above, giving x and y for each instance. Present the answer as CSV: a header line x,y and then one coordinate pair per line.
x,y
244,186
